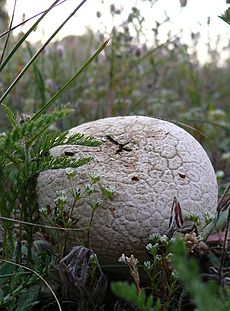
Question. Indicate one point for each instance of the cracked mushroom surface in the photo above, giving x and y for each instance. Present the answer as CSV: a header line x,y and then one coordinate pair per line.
x,y
148,162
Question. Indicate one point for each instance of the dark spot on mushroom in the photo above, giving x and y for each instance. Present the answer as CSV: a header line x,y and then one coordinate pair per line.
x,y
135,178
182,175
69,153
121,147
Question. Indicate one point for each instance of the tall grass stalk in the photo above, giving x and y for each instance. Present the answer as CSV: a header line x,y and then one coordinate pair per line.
x,y
23,38
26,21
8,35
20,75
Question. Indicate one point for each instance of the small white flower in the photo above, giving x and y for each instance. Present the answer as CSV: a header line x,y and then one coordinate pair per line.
x,y
174,274
156,245
208,218
94,177
43,210
93,258
199,238
110,189
89,189
226,157
2,134
164,238
158,257
60,193
169,256
149,246
122,258
61,198
69,221
99,203
154,236
70,172
132,260
147,264
219,174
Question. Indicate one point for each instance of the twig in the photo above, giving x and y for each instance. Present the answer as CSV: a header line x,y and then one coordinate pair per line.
x,y
183,293
219,209
42,226
220,272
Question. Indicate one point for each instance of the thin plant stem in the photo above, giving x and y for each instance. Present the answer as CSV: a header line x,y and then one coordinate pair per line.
x,y
8,35
89,230
42,226
218,210
222,198
19,76
75,76
39,276
75,199
27,20
23,38
220,271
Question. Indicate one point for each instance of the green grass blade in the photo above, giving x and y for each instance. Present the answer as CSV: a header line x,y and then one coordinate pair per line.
x,y
39,276
38,78
13,51
27,20
38,53
8,35
67,85
226,16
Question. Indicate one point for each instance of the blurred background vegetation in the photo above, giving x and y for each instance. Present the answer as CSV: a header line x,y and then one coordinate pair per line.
x,y
164,80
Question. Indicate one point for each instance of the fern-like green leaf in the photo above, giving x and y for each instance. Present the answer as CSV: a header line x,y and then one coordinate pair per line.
x,y
28,132
207,296
61,163
10,114
49,163
81,139
129,293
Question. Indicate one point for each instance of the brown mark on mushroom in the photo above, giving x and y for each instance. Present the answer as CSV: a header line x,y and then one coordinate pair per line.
x,y
182,175
121,147
69,153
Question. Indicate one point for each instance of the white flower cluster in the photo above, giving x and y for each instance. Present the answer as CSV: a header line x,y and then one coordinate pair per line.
x,y
158,239
158,258
61,198
150,246
43,210
164,239
110,189
147,265
155,236
131,261
70,172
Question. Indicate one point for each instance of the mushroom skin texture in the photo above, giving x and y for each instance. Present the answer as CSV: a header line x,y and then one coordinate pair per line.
x,y
148,162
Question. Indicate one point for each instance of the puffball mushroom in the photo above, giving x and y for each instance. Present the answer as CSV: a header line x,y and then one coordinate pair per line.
x,y
148,162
